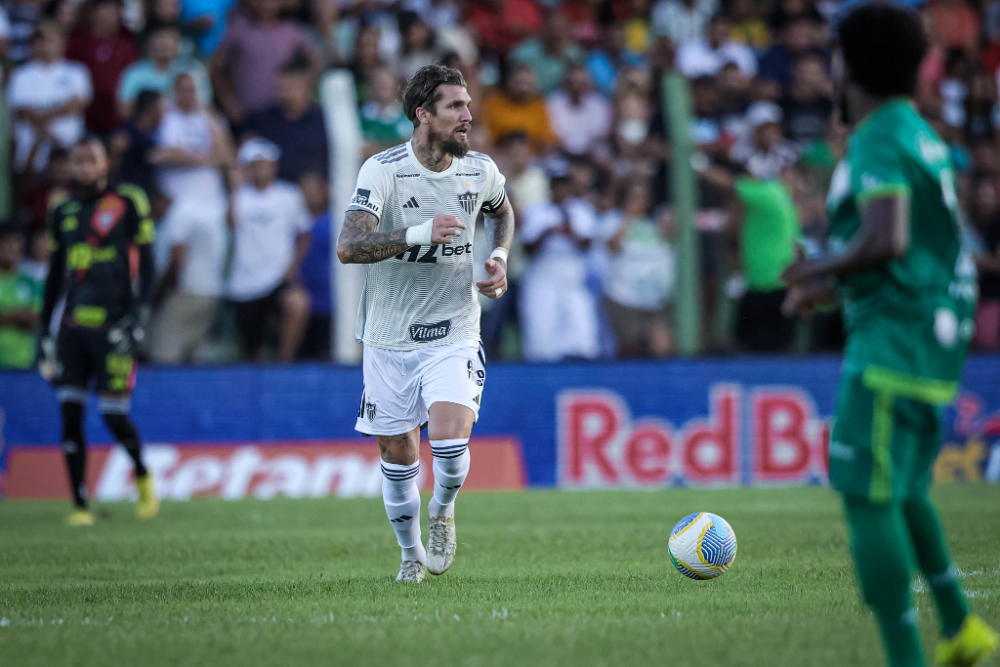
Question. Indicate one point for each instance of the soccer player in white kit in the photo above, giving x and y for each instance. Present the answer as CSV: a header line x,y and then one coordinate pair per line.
x,y
412,221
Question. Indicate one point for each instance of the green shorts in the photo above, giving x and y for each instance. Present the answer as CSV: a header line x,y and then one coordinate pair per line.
x,y
887,434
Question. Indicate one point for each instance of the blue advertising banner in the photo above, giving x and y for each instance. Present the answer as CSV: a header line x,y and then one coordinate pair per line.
x,y
625,424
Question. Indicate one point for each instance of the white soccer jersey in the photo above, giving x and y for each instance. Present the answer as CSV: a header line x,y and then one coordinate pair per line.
x,y
425,295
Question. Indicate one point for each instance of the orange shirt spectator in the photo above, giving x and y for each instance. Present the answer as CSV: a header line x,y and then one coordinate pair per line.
x,y
519,108
955,23
503,24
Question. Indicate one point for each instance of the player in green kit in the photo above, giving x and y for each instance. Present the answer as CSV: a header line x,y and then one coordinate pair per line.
x,y
908,291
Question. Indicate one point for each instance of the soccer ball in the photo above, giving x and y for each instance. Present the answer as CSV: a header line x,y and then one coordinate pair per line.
x,y
702,546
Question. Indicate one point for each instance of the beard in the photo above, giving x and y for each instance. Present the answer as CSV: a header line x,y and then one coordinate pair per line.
x,y
449,144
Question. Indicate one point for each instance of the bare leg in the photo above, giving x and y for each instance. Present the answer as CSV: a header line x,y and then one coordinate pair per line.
x,y
295,305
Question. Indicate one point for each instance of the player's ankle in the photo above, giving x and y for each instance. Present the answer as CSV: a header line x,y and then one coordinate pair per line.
x,y
417,553
437,510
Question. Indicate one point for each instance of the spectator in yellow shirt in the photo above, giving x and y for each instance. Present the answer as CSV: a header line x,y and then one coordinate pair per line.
x,y
519,108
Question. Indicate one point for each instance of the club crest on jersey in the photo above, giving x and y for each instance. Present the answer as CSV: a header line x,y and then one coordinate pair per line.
x,y
109,211
468,201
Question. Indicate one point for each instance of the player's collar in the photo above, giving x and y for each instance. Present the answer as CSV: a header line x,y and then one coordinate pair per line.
x,y
891,103
427,172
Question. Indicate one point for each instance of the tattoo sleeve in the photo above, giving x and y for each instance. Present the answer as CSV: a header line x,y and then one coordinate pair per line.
x,y
359,243
500,225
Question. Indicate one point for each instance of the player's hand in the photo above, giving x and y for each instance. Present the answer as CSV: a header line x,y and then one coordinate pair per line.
x,y
445,229
496,286
47,364
803,298
796,271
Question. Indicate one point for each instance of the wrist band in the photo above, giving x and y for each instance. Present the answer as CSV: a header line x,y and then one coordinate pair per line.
x,y
420,234
501,253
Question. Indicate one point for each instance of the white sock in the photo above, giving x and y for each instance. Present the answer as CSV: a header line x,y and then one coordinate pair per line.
x,y
451,466
402,505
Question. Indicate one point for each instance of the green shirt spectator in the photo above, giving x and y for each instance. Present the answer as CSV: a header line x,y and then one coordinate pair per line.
x,y
20,303
769,231
383,123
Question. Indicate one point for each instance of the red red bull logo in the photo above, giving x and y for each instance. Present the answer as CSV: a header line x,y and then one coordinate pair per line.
x,y
766,435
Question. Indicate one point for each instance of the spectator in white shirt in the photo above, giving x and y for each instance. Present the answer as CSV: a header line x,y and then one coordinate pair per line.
x,y
558,311
271,225
47,97
580,117
682,20
705,56
192,246
191,147
765,151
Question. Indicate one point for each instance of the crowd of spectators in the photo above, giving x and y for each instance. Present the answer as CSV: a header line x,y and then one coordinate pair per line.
x,y
211,107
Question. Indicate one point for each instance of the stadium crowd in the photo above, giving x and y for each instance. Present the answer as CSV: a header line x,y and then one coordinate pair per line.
x,y
211,107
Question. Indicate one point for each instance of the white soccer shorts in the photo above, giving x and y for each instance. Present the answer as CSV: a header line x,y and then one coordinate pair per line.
x,y
399,387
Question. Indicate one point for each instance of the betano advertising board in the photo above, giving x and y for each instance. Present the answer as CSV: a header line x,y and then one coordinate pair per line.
x,y
260,432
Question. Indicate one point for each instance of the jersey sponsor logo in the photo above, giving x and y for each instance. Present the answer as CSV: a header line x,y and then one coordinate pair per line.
x,y
82,256
468,201
407,175
470,173
425,333
361,198
412,254
411,203
109,211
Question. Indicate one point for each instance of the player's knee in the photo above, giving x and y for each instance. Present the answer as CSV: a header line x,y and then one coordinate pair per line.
x,y
399,450
449,421
297,302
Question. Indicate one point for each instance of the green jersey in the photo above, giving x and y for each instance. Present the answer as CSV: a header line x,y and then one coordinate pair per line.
x,y
19,292
908,322
769,231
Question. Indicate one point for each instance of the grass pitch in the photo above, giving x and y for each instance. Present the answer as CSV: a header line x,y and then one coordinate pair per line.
x,y
542,578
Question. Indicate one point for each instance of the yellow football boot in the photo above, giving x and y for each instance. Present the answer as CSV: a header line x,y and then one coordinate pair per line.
x,y
973,642
148,505
80,517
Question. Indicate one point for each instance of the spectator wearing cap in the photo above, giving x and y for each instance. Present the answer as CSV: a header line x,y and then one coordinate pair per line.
x,y
764,152
683,20
580,117
705,56
809,102
47,97
106,48
550,54
519,108
559,316
316,268
501,25
160,69
383,123
246,67
20,303
295,124
271,227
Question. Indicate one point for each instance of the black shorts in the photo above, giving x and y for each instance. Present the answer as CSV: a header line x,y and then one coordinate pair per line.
x,y
256,318
760,325
86,354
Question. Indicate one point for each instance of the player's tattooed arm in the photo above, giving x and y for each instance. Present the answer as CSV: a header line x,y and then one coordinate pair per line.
x,y
500,226
359,243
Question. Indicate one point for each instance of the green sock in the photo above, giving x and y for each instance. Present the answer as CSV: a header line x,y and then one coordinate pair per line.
x,y
932,555
881,549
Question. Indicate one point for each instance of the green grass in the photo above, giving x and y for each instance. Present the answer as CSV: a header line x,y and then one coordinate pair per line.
x,y
540,579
